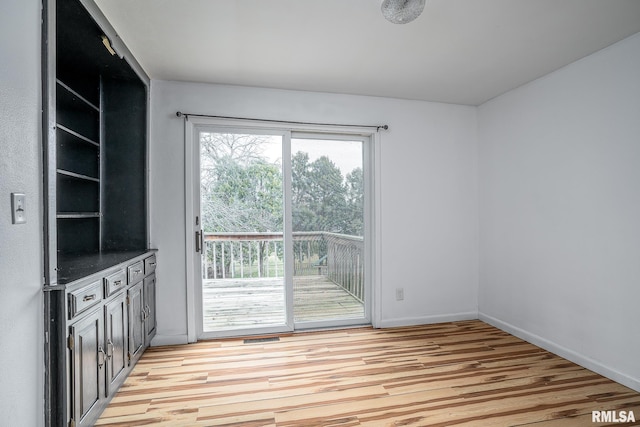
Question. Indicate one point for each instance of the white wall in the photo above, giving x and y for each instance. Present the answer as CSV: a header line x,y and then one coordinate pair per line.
x,y
559,170
21,310
428,190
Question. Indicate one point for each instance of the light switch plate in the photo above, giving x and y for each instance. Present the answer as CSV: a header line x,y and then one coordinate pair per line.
x,y
18,208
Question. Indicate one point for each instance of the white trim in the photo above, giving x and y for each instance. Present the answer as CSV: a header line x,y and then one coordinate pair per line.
x,y
564,352
189,170
244,332
376,234
369,226
287,232
370,140
428,320
159,340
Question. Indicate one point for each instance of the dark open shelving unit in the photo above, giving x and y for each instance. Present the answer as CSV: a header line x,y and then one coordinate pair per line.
x,y
99,291
99,144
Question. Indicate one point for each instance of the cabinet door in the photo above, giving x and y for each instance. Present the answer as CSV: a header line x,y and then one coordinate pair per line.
x,y
116,341
88,366
149,308
136,321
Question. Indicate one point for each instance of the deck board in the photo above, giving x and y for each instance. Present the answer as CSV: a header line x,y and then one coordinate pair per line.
x,y
238,303
452,374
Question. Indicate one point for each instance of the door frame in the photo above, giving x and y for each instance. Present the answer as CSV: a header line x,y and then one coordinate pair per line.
x,y
192,167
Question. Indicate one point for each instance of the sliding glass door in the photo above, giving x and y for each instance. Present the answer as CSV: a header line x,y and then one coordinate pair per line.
x,y
328,223
242,211
281,224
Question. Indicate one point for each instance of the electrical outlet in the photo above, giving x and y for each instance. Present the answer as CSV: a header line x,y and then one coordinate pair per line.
x,y
18,208
399,294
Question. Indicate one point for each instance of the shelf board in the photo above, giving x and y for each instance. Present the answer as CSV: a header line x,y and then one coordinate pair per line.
x,y
77,215
77,175
77,95
77,135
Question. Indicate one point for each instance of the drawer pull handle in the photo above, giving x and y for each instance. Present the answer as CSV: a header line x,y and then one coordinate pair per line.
x,y
152,263
117,283
137,271
89,297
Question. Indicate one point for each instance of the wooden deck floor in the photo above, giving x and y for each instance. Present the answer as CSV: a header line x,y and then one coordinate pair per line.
x,y
452,374
244,303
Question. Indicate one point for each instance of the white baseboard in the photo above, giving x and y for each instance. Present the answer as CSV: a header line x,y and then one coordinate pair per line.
x,y
582,360
427,320
159,340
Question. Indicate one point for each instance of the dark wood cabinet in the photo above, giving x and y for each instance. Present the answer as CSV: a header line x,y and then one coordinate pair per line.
x,y
116,335
149,308
99,306
136,324
88,359
99,327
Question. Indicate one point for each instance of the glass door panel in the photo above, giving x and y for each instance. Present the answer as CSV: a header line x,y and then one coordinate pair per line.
x,y
328,215
242,211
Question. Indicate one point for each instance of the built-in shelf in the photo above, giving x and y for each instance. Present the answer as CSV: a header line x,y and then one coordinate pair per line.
x,y
77,135
74,112
95,169
77,95
77,175
77,215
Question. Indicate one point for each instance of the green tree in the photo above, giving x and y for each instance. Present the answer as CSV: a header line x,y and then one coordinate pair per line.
x,y
319,195
354,221
243,197
328,195
303,215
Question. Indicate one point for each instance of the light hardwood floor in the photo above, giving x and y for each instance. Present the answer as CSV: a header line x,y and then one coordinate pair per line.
x,y
452,374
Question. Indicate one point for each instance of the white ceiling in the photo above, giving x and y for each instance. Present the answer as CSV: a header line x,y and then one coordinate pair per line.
x,y
458,51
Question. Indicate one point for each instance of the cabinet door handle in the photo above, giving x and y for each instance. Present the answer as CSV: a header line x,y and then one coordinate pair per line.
x,y
104,357
109,349
117,283
89,297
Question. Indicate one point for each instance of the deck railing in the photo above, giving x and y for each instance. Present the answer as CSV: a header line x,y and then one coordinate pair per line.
x,y
253,255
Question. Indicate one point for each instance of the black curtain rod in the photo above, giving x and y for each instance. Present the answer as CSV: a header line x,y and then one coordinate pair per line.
x,y
186,115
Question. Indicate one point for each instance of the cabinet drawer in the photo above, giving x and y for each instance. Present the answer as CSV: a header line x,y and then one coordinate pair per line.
x,y
149,265
83,298
114,282
136,272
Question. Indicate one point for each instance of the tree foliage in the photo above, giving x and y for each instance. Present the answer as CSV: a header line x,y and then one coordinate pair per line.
x,y
242,191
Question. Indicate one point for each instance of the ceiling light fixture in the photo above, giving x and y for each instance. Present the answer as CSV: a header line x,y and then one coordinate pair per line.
x,y
402,11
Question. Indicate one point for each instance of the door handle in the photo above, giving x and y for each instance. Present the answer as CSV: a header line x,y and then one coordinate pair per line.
x,y
199,241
